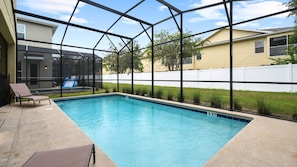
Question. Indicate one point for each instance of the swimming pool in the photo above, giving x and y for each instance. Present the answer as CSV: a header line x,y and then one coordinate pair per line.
x,y
134,132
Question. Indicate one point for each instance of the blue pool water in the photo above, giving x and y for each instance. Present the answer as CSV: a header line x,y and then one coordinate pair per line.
x,y
137,133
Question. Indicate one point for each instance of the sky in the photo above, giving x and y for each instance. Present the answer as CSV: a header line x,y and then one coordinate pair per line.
x,y
152,12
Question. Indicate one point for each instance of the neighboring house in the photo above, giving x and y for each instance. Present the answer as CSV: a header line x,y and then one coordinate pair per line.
x,y
34,67
250,48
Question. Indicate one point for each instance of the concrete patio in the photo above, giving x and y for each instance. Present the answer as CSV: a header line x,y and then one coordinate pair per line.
x,y
25,130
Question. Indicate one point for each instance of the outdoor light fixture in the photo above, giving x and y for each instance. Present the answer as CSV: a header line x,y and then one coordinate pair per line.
x,y
45,67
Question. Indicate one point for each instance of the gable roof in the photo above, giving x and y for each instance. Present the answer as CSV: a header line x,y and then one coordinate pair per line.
x,y
280,29
241,34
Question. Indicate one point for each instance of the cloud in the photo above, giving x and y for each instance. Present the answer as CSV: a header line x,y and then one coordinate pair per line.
x,y
241,11
126,20
254,24
221,23
162,8
50,6
74,19
248,24
245,10
63,8
212,13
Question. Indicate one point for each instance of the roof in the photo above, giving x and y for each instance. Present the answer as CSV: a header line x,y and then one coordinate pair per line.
x,y
259,33
55,51
280,29
53,26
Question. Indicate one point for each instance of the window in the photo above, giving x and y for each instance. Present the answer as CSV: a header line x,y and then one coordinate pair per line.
x,y
21,31
19,71
259,46
198,57
278,41
292,40
279,45
187,60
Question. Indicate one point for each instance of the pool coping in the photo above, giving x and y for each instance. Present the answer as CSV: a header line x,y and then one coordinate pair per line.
x,y
263,142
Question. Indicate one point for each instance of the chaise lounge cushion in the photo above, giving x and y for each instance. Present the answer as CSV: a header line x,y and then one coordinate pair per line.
x,y
23,92
69,157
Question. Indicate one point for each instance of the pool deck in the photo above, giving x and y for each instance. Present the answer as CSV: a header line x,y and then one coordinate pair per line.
x,y
25,130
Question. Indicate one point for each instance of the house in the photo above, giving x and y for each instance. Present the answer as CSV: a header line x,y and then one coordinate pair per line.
x,y
7,40
34,67
250,48
7,49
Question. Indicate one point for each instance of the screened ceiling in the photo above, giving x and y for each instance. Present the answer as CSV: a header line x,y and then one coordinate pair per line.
x,y
95,26
98,24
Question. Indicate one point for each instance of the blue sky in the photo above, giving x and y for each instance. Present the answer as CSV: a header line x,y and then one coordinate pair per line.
x,y
151,11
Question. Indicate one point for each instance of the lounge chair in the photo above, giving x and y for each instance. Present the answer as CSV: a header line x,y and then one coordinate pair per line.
x,y
69,157
21,91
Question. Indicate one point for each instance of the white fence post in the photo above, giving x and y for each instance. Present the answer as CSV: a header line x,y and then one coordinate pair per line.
x,y
290,76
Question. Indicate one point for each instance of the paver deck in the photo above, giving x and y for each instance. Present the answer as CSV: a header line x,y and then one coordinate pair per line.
x,y
28,129
25,130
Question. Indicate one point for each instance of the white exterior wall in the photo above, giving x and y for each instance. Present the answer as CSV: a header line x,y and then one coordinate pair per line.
x,y
276,73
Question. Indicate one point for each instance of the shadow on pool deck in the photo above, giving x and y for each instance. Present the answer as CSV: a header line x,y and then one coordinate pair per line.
x,y
25,130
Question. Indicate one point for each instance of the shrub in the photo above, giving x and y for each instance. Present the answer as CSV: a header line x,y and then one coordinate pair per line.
x,y
294,116
129,90
237,105
143,92
137,91
169,96
124,90
216,101
294,113
263,107
196,98
114,89
159,93
150,93
106,89
180,98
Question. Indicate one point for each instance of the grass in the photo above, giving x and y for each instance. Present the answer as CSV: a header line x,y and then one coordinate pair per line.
x,y
237,105
263,107
76,94
280,104
159,94
196,98
169,96
216,101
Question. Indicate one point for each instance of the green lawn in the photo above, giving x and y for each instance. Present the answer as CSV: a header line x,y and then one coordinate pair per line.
x,y
75,94
279,104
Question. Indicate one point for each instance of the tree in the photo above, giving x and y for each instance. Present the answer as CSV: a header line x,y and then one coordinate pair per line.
x,y
293,4
110,61
292,48
125,59
167,48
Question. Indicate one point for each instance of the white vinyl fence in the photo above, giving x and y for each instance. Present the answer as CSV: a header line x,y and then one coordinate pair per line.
x,y
276,73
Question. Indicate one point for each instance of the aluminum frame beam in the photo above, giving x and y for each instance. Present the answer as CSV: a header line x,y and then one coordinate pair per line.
x,y
114,11
66,23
